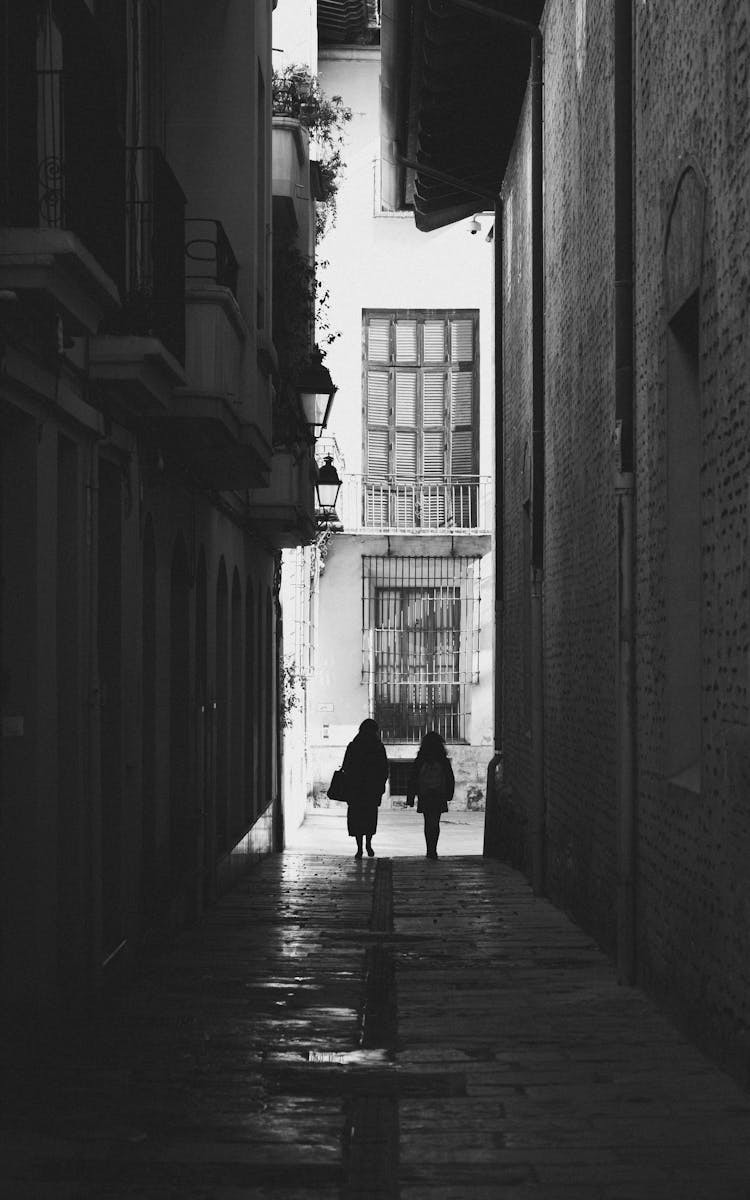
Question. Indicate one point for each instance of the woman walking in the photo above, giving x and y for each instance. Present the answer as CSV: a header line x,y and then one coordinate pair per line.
x,y
431,779
365,767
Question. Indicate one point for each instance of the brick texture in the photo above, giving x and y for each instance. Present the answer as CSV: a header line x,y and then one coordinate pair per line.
x,y
693,850
691,99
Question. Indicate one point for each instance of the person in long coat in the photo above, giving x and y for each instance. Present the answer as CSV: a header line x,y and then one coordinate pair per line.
x,y
432,781
365,766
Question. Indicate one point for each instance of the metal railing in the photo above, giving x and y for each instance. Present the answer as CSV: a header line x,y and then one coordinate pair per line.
x,y
209,254
154,299
287,101
460,504
405,712
62,159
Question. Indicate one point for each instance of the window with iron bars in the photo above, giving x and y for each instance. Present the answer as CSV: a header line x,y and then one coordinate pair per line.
x,y
420,644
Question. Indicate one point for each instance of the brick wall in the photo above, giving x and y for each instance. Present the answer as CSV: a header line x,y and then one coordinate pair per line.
x,y
580,529
693,105
514,798
692,109
580,537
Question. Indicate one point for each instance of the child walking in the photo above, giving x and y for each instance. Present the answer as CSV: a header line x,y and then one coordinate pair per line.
x,y
432,781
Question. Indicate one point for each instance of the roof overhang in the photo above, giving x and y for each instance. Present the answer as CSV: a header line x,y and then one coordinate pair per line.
x,y
453,86
342,21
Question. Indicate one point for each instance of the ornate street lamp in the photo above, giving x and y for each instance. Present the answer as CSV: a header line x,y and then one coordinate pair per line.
x,y
316,391
327,487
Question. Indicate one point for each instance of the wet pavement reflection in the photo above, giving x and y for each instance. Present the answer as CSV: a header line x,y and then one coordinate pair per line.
x,y
395,1027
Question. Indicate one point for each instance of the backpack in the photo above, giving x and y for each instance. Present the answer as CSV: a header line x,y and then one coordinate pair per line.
x,y
430,780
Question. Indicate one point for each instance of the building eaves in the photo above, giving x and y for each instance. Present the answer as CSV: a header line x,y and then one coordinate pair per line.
x,y
454,86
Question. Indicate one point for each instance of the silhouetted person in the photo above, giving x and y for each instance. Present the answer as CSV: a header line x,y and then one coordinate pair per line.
x,y
432,781
366,767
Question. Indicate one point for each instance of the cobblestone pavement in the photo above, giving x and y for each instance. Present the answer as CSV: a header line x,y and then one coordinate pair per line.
x,y
395,1027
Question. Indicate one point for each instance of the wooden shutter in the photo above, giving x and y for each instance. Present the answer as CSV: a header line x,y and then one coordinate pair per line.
x,y
406,454
406,399
462,340
378,408
433,426
379,340
434,342
462,433
406,341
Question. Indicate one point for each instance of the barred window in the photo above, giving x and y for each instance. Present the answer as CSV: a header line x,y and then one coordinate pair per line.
x,y
420,640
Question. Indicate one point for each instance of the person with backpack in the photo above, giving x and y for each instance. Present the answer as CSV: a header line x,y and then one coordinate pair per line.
x,y
365,768
432,781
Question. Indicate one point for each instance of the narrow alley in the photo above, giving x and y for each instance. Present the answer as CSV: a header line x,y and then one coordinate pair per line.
x,y
389,1028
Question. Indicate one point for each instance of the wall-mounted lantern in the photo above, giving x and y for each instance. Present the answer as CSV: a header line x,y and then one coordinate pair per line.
x,y
316,391
327,487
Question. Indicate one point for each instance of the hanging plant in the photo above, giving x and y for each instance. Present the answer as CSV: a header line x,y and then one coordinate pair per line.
x,y
300,309
297,93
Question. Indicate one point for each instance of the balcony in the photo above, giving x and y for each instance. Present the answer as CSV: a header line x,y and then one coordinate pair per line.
x,y
286,508
293,203
459,506
214,419
62,171
209,256
141,350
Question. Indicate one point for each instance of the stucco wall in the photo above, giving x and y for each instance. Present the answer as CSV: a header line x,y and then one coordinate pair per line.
x,y
373,259
379,260
338,694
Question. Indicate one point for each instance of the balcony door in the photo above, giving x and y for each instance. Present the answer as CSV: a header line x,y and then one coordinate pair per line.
x,y
420,419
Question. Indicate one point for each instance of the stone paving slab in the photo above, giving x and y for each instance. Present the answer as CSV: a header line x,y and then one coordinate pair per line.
x,y
400,833
377,1029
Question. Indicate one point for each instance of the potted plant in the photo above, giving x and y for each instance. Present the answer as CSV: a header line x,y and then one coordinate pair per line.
x,y
297,93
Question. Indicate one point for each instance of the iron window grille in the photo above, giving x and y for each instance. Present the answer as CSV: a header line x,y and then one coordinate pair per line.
x,y
420,644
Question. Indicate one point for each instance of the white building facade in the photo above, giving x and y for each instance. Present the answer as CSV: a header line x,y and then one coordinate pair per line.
x,y
406,605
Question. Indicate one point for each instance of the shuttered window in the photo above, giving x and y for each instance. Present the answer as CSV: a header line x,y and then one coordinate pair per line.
x,y
421,396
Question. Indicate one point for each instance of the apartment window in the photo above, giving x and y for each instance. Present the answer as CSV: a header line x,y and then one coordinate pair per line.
x,y
420,419
420,644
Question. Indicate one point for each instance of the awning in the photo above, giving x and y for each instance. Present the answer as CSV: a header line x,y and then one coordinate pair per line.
x,y
453,85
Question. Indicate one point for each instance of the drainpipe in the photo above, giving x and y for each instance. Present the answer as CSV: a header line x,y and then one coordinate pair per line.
x,y
624,493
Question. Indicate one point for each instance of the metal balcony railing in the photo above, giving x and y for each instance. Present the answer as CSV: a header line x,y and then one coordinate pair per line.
x,y
62,159
460,504
287,101
154,293
209,254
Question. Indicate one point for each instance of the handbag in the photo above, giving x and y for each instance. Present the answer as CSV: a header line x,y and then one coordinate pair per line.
x,y
337,786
